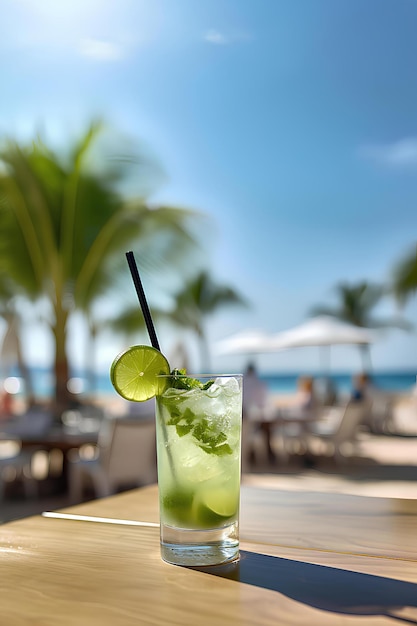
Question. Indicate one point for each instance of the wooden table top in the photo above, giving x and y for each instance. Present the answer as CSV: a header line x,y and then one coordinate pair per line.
x,y
306,558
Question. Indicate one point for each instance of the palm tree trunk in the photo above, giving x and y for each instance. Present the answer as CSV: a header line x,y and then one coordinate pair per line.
x,y
61,365
26,375
12,349
90,364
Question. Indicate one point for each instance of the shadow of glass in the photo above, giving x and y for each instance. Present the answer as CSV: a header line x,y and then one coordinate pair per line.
x,y
320,586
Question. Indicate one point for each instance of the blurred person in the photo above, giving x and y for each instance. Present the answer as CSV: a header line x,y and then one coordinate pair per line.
x,y
361,393
414,392
6,405
379,414
362,387
299,417
306,399
256,412
255,394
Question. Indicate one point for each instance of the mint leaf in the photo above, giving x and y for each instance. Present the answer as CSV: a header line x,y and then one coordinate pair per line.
x,y
177,419
183,429
209,441
179,380
189,416
201,430
222,450
207,438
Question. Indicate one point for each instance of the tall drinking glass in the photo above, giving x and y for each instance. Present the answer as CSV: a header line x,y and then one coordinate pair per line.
x,y
198,448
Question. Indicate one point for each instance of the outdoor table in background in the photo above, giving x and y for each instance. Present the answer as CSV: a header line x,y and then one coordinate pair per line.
x,y
57,438
276,424
306,558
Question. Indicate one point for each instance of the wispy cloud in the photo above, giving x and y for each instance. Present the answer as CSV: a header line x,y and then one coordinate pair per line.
x,y
218,38
400,154
101,50
215,37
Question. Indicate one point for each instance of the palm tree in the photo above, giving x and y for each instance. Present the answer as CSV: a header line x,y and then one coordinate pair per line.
x,y
356,305
64,227
11,347
199,298
405,276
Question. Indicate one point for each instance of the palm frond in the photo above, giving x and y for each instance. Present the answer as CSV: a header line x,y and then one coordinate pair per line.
x,y
356,305
404,281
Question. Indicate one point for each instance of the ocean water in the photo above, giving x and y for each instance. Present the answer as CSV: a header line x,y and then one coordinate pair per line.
x,y
387,381
398,381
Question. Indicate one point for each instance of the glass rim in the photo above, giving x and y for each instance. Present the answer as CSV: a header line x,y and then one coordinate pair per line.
x,y
199,375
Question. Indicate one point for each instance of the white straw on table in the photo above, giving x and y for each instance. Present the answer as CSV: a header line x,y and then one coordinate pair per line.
x,y
102,520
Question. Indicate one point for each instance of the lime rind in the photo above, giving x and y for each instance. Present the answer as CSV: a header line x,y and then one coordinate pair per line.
x,y
215,506
222,502
134,372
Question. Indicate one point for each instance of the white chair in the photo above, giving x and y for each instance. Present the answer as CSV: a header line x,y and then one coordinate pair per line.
x,y
125,457
292,426
256,443
381,414
15,463
339,431
253,447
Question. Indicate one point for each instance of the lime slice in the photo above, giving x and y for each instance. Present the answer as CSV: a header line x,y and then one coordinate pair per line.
x,y
223,502
216,505
133,372
177,506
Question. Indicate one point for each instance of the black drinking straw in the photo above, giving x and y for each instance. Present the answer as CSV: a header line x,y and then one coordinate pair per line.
x,y
142,299
149,325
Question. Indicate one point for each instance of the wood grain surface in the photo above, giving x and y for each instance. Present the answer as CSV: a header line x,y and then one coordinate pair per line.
x,y
305,559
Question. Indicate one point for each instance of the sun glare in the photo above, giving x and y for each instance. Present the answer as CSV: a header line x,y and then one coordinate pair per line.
x,y
95,28
51,10
44,23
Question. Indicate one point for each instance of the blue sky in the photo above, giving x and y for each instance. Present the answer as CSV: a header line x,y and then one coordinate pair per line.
x,y
293,123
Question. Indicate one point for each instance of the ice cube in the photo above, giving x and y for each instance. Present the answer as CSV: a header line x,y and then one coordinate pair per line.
x,y
229,385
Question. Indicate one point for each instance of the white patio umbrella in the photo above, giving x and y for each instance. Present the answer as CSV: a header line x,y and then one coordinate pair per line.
x,y
250,341
319,331
323,330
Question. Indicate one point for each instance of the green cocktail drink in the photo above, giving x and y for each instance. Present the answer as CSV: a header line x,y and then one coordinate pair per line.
x,y
198,426
198,430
